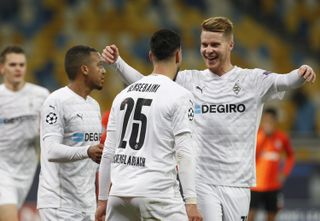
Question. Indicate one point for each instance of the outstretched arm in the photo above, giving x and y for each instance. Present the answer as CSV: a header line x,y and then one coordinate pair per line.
x,y
296,78
111,56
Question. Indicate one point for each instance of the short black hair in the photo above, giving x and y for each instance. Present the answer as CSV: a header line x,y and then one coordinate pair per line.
x,y
10,49
164,43
272,111
74,58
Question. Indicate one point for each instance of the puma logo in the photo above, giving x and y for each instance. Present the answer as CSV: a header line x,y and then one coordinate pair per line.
x,y
200,89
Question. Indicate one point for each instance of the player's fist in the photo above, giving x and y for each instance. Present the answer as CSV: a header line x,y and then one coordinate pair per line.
x,y
110,54
193,212
307,73
101,210
95,152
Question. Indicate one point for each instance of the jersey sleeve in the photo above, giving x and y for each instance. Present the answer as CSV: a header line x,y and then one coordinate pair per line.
x,y
185,78
265,84
183,115
272,85
126,72
51,118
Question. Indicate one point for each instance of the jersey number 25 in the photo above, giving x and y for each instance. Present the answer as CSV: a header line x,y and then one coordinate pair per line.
x,y
129,104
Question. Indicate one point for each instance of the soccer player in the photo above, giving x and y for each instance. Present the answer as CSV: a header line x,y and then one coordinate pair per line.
x,y
149,133
274,162
20,104
70,133
228,106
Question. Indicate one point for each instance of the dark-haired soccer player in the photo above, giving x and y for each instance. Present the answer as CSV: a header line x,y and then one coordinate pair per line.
x,y
149,133
70,133
20,104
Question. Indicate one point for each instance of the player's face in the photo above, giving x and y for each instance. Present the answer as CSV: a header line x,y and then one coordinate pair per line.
x,y
215,50
268,123
14,69
96,71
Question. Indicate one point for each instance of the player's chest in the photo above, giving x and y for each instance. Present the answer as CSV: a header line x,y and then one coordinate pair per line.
x,y
82,118
221,91
19,105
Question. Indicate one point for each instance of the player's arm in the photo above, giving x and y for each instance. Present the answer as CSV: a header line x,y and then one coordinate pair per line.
x,y
111,56
186,164
105,175
58,152
182,122
105,167
289,159
296,78
52,130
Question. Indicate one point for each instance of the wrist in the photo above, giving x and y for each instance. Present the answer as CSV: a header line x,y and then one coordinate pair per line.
x,y
102,203
191,200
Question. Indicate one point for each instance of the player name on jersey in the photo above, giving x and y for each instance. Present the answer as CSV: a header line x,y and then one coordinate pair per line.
x,y
129,160
15,119
144,87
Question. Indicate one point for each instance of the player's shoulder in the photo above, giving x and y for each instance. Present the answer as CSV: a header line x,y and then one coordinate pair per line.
x,y
37,89
59,95
190,74
252,71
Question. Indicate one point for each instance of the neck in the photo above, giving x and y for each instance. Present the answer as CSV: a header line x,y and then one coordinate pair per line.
x,y
168,69
14,87
224,69
80,88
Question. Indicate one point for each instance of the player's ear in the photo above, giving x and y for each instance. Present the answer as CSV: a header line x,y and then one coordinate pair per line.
x,y
178,56
84,69
150,57
1,69
231,43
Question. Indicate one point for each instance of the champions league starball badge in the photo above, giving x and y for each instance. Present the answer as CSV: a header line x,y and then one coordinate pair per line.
x,y
190,114
51,118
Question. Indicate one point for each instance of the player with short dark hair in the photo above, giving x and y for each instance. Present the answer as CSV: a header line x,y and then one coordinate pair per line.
x,y
70,140
228,106
149,134
20,104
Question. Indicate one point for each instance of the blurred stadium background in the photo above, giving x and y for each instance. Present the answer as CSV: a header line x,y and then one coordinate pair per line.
x,y
276,35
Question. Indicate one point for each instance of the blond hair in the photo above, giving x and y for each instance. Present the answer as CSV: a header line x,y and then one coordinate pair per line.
x,y
218,24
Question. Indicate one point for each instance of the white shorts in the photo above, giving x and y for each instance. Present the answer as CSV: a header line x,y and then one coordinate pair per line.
x,y
65,214
139,208
13,191
222,203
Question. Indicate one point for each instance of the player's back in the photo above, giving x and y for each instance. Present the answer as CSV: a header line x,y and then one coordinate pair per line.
x,y
147,115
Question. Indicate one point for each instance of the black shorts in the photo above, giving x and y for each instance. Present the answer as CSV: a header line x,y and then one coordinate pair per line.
x,y
271,201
